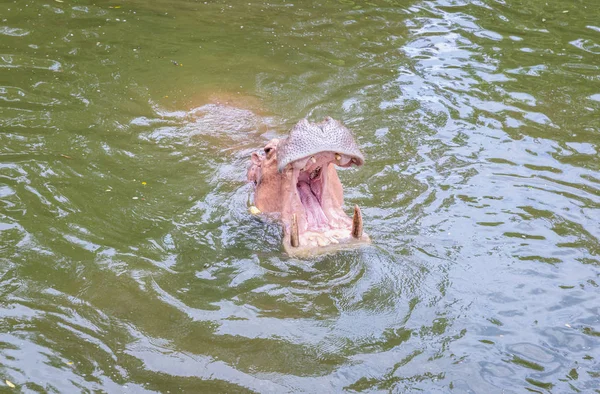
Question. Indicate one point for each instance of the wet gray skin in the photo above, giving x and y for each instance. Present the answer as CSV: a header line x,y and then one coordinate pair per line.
x,y
308,138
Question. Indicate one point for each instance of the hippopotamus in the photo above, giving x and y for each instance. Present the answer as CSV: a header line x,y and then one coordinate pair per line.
x,y
296,180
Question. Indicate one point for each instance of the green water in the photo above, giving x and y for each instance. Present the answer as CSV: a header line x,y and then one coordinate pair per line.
x,y
129,261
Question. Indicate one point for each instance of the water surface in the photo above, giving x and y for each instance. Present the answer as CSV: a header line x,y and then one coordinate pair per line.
x,y
129,261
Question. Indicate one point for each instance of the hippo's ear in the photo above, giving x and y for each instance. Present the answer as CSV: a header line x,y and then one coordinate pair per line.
x,y
256,160
254,170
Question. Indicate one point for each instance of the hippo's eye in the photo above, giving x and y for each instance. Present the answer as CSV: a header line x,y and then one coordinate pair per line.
x,y
268,150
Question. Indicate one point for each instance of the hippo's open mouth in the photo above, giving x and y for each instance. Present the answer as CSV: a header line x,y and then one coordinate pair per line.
x,y
297,177
318,220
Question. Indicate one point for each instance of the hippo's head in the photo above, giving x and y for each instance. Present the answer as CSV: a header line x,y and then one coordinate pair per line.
x,y
297,178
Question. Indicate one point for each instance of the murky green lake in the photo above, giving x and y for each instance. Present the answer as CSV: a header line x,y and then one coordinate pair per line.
x,y
129,261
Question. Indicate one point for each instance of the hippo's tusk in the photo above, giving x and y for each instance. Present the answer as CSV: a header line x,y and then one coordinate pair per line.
x,y
312,158
294,237
338,157
357,223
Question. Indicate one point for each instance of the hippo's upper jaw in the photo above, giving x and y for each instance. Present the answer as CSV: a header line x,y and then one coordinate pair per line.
x,y
307,139
297,177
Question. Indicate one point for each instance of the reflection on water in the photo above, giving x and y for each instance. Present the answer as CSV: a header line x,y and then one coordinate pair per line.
x,y
128,258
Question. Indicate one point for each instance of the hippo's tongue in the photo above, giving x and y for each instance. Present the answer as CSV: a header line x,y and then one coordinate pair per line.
x,y
315,217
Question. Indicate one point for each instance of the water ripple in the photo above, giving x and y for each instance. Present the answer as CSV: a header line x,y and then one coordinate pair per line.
x,y
129,260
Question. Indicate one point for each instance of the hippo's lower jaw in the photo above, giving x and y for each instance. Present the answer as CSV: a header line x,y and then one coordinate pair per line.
x,y
311,243
316,222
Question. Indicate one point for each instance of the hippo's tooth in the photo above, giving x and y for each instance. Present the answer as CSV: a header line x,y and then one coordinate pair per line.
x,y
354,160
294,237
357,223
312,158
338,157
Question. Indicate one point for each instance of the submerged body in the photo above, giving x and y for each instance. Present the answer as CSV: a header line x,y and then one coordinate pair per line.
x,y
296,177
